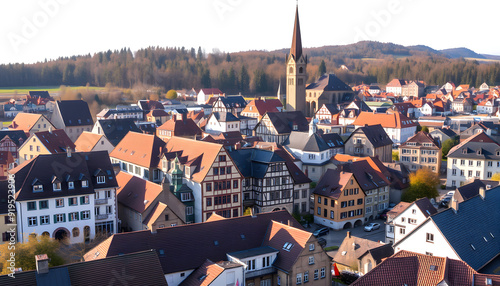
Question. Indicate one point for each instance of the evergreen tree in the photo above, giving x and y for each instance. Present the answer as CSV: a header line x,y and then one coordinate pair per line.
x,y
244,79
322,68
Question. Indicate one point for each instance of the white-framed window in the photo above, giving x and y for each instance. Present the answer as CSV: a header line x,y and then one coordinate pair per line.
x,y
402,231
311,247
299,278
85,184
311,260
59,203
37,188
73,216
279,280
73,201
85,215
71,185
59,218
323,272
109,209
251,265
32,221
101,179
44,219
316,274
266,261
189,210
56,186
306,276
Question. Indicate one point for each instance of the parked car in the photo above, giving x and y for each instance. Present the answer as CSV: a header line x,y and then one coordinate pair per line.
x,y
445,202
383,214
372,226
322,242
321,231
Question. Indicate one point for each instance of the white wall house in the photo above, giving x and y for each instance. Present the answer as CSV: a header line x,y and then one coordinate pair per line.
x,y
222,122
411,218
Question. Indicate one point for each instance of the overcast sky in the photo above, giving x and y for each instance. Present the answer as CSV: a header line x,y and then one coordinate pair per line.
x,y
34,30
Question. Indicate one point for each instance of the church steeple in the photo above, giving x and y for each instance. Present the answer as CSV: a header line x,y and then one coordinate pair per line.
x,y
296,50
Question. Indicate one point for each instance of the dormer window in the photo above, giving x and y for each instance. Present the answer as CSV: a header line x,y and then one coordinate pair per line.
x,y
295,127
56,186
100,180
38,188
85,184
71,185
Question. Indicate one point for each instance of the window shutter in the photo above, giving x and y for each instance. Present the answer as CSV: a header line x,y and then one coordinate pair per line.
x,y
81,214
55,218
64,217
69,217
77,216
82,200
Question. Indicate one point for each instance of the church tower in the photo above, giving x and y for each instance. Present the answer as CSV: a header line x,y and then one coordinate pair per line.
x,y
296,64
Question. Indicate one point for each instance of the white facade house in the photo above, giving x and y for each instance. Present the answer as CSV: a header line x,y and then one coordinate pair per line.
x,y
478,157
412,217
397,126
66,201
427,109
222,122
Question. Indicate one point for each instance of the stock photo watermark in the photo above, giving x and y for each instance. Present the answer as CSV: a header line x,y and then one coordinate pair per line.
x,y
11,205
32,25
223,6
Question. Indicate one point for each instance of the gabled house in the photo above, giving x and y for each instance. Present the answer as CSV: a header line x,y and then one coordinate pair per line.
x,y
121,112
273,248
475,242
370,140
215,274
258,107
7,162
277,126
229,104
206,93
157,116
30,123
490,128
327,114
11,140
361,255
397,126
88,142
339,201
66,196
462,105
178,125
313,151
11,110
211,174
442,134
470,190
411,218
222,122
267,183
487,107
396,86
139,154
411,268
476,157
421,151
45,142
406,108
413,89
115,129
145,205
73,116
389,223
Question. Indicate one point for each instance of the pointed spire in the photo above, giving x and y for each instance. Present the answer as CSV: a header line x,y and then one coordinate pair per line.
x,y
296,50
279,90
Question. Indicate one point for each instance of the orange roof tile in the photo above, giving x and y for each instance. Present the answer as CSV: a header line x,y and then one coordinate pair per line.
x,y
136,193
26,121
140,149
87,141
155,213
387,120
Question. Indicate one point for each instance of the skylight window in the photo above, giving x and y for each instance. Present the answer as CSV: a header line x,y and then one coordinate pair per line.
x,y
287,246
433,268
472,246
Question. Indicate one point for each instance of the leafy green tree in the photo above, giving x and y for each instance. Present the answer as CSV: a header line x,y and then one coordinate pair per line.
x,y
171,94
423,183
322,68
395,156
25,253
425,129
447,145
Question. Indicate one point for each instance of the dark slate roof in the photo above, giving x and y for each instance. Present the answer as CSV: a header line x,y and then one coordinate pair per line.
x,y
225,117
142,268
473,224
425,206
329,82
447,131
376,134
254,162
361,104
331,183
253,252
296,49
147,105
44,169
368,178
183,246
12,107
233,101
39,93
333,140
116,129
472,189
284,121
75,112
381,252
332,108
297,175
479,146
305,142
14,135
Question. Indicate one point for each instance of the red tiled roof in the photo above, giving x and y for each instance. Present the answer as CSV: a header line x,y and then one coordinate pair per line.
x,y
181,127
140,149
136,193
158,113
262,106
387,120
87,141
409,268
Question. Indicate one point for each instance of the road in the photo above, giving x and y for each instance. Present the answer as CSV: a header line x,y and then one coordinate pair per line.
x,y
335,237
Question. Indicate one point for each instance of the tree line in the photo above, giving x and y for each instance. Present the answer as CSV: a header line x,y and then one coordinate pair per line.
x,y
253,72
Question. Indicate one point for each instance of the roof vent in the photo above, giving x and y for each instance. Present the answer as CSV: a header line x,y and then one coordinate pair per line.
x,y
146,202
216,242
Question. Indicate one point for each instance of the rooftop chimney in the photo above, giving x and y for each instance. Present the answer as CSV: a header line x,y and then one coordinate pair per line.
x,y
349,234
42,263
482,192
50,129
68,151
454,205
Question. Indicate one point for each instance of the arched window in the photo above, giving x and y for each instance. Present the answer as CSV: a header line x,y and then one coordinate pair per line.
x,y
76,232
46,233
290,71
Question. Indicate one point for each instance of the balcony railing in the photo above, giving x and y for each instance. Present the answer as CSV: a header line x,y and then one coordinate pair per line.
x,y
101,216
101,201
261,272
